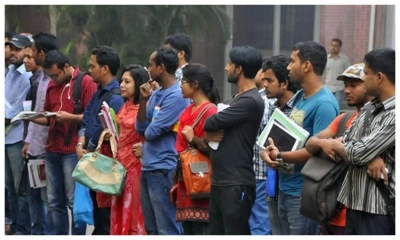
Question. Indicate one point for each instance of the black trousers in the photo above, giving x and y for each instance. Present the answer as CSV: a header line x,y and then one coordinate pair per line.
x,y
230,210
363,223
101,217
194,228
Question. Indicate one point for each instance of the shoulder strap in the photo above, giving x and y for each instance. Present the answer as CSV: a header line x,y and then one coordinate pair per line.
x,y
385,193
342,123
108,95
76,95
201,114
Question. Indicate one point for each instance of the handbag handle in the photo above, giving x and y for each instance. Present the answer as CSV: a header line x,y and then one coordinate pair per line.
x,y
201,114
113,143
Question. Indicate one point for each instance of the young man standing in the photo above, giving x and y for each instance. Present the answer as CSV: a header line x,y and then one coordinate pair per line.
x,y
335,65
368,146
314,108
159,111
279,88
104,65
17,85
61,158
183,45
354,90
233,179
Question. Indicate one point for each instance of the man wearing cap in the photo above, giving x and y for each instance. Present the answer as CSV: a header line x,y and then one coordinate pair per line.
x,y
355,95
17,85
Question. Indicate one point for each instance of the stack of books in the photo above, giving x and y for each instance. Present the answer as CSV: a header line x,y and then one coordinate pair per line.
x,y
109,120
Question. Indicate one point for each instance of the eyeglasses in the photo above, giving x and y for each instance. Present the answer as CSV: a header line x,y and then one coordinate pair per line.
x,y
55,76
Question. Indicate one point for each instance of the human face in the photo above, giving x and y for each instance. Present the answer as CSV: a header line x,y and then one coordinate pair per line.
x,y
273,88
56,74
187,89
29,61
127,86
354,91
154,70
37,56
295,67
95,70
17,55
231,72
370,81
334,47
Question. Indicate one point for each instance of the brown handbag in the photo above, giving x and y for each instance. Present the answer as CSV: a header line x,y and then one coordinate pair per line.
x,y
196,167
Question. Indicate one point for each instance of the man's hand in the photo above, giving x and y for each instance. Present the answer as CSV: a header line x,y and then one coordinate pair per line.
x,y
376,167
24,151
137,150
214,136
266,155
62,116
80,152
327,147
145,91
187,131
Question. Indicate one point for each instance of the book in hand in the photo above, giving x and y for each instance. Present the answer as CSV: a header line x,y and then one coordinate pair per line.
x,y
220,107
36,173
286,134
30,115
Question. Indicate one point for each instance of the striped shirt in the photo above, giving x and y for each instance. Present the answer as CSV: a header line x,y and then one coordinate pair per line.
x,y
359,191
259,165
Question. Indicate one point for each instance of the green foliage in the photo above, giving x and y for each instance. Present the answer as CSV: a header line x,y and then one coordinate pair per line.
x,y
134,31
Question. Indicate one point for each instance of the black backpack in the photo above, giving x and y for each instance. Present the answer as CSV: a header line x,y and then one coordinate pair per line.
x,y
323,180
76,94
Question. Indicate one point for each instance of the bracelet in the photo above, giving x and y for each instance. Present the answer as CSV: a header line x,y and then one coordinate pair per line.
x,y
77,145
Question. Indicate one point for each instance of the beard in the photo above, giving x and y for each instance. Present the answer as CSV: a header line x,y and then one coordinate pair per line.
x,y
233,79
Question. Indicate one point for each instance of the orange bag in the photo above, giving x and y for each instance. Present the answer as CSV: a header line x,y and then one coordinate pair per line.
x,y
196,167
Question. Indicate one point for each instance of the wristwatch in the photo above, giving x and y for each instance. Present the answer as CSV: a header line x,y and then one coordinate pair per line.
x,y
279,157
79,144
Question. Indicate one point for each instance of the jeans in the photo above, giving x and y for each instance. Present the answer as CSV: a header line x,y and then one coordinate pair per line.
x,y
274,219
293,223
42,223
259,221
7,213
339,95
230,209
60,191
19,208
101,217
158,211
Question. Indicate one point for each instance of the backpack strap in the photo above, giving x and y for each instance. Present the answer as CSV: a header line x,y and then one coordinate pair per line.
x,y
342,123
201,114
108,95
76,95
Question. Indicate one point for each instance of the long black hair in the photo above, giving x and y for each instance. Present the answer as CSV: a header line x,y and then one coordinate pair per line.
x,y
139,75
199,73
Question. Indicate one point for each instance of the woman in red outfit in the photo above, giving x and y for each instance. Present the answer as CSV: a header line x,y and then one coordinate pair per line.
x,y
198,85
126,212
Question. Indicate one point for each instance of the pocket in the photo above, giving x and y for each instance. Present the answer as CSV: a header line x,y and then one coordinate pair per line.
x,y
238,193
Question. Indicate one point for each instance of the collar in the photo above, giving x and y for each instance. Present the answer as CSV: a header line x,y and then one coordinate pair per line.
x,y
387,104
113,84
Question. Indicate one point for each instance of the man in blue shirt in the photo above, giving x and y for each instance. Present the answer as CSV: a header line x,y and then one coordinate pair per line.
x,y
156,121
314,108
104,65
17,85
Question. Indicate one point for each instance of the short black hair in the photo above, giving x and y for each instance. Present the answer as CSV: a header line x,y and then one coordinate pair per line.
x,y
45,42
337,40
248,58
139,75
55,57
181,42
278,64
313,52
107,56
167,57
382,60
8,35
